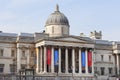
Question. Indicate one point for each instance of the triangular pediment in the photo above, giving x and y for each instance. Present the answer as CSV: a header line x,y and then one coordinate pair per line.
x,y
71,39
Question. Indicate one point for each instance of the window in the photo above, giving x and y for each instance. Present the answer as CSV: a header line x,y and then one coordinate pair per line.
x,y
12,53
95,69
23,66
102,57
23,53
109,57
1,52
12,68
102,70
110,70
1,68
32,54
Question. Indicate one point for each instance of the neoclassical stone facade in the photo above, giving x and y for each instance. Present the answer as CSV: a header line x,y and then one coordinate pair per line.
x,y
55,51
64,55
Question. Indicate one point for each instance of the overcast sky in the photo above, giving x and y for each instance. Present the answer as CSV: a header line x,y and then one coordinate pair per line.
x,y
84,16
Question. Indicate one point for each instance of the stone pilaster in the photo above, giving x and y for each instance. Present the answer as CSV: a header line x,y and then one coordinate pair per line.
x,y
28,58
18,59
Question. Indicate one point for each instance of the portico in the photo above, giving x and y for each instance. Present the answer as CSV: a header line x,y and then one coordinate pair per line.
x,y
65,55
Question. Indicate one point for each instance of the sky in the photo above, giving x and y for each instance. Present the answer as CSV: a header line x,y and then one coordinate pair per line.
x,y
84,16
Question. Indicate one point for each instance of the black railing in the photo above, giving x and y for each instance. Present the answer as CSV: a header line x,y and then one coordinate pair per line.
x,y
38,77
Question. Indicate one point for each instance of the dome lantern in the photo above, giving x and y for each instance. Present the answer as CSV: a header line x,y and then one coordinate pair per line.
x,y
57,7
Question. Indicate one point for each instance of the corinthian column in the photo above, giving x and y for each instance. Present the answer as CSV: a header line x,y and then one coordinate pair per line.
x,y
80,61
45,58
41,59
117,63
73,60
59,60
86,67
37,56
52,60
66,60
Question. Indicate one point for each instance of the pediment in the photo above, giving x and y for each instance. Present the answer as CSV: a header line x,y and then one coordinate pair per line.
x,y
70,39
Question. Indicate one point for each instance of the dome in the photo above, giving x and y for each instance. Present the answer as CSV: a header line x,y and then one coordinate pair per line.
x,y
57,18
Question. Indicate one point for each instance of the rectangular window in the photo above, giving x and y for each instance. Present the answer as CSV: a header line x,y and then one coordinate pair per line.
x,y
95,68
23,66
1,52
102,70
12,68
32,54
102,57
23,53
110,70
12,53
109,57
1,68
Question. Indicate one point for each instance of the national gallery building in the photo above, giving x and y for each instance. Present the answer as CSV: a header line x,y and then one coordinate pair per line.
x,y
55,51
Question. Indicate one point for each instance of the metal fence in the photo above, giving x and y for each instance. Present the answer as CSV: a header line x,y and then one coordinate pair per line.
x,y
31,77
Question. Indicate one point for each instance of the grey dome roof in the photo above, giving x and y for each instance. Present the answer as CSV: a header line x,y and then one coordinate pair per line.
x,y
57,18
